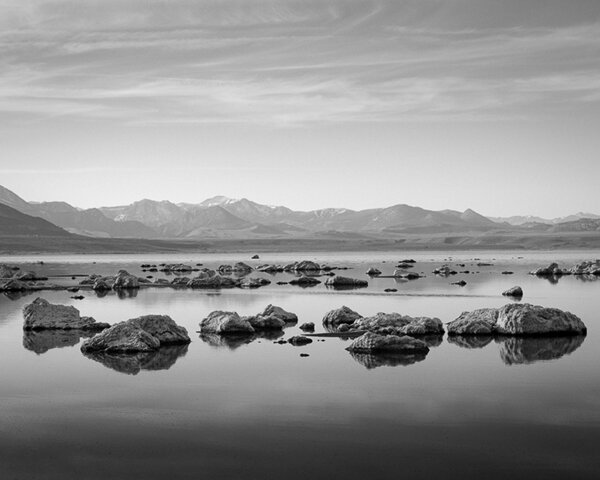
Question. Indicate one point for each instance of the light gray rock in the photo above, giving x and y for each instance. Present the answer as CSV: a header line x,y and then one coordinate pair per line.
x,y
339,316
278,312
163,328
42,315
397,324
514,292
527,319
225,323
345,282
125,281
552,270
261,322
477,322
254,282
124,337
374,343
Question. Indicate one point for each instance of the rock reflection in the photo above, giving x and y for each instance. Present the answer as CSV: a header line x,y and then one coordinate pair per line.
x,y
233,342
470,341
17,294
371,360
41,341
131,364
522,350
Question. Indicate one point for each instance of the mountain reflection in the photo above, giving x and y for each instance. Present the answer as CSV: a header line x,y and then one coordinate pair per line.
x,y
374,360
42,341
131,364
522,350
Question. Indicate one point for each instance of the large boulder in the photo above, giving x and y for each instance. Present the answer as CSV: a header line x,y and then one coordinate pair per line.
x,y
163,328
42,315
527,319
517,319
225,323
339,316
477,322
397,324
586,268
345,282
374,343
125,281
278,312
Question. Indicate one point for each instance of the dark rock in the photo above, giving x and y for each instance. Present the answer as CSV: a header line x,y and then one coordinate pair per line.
x,y
278,312
345,282
340,316
299,340
390,290
308,327
374,343
513,292
305,281
255,257
225,323
42,315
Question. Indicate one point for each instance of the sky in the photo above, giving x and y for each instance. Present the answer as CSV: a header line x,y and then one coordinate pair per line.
x,y
486,104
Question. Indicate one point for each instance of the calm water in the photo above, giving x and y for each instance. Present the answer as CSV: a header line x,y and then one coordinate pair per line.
x,y
231,409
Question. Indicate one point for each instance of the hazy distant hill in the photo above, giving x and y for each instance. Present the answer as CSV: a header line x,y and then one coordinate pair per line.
x,y
13,222
522,220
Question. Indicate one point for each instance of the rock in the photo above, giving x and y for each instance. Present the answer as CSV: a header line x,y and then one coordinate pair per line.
x,y
410,275
225,323
373,271
215,281
477,322
444,271
242,268
180,281
73,289
255,257
7,271
123,337
390,290
101,285
396,324
308,327
304,355
12,285
77,297
552,270
305,281
405,265
460,283
178,267
340,316
527,319
29,277
260,322
163,328
513,292
586,268
409,260
125,281
299,340
225,269
507,272
42,315
345,282
254,283
306,266
278,312
517,319
374,343
483,264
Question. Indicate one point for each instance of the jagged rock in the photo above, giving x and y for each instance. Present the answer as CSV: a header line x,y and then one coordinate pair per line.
x,y
342,315
374,343
513,292
242,268
396,324
306,266
308,327
12,285
261,322
552,270
477,322
254,283
586,268
225,323
299,340
345,282
278,312
42,315
216,281
7,271
101,285
373,271
163,328
125,281
305,281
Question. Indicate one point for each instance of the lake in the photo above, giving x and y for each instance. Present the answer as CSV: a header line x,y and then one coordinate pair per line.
x,y
252,408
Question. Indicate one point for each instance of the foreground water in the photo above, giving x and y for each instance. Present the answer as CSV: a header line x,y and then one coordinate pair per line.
x,y
256,409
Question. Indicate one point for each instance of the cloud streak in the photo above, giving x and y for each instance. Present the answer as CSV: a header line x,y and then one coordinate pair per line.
x,y
291,62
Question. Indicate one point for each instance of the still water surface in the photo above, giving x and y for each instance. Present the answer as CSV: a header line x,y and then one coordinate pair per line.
x,y
256,409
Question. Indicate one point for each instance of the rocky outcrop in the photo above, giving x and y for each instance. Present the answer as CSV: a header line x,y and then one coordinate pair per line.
x,y
342,315
552,270
142,334
305,281
125,281
272,310
517,319
375,343
338,281
396,324
42,315
516,292
586,268
225,323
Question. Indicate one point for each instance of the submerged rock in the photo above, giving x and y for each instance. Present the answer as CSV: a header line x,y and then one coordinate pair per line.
x,y
374,343
225,323
42,315
513,292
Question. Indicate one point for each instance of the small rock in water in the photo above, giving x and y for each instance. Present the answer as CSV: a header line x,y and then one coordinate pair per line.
x,y
391,290
298,340
304,355
255,257
308,326
460,283
514,292
77,297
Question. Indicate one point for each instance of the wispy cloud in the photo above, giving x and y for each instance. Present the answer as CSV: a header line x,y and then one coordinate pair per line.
x,y
287,62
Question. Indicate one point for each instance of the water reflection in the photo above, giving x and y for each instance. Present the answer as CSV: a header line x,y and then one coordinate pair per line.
x,y
42,341
371,361
131,364
233,342
470,341
520,350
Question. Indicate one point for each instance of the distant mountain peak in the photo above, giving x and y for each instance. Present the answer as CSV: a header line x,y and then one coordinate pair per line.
x,y
219,200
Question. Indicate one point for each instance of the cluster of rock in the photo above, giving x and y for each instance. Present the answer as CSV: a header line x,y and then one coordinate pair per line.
x,y
517,319
591,267
122,281
42,315
231,323
12,279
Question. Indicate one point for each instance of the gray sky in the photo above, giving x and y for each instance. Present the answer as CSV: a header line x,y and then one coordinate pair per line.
x,y
488,104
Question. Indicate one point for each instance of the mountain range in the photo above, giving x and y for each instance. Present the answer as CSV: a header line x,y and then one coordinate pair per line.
x,y
223,217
